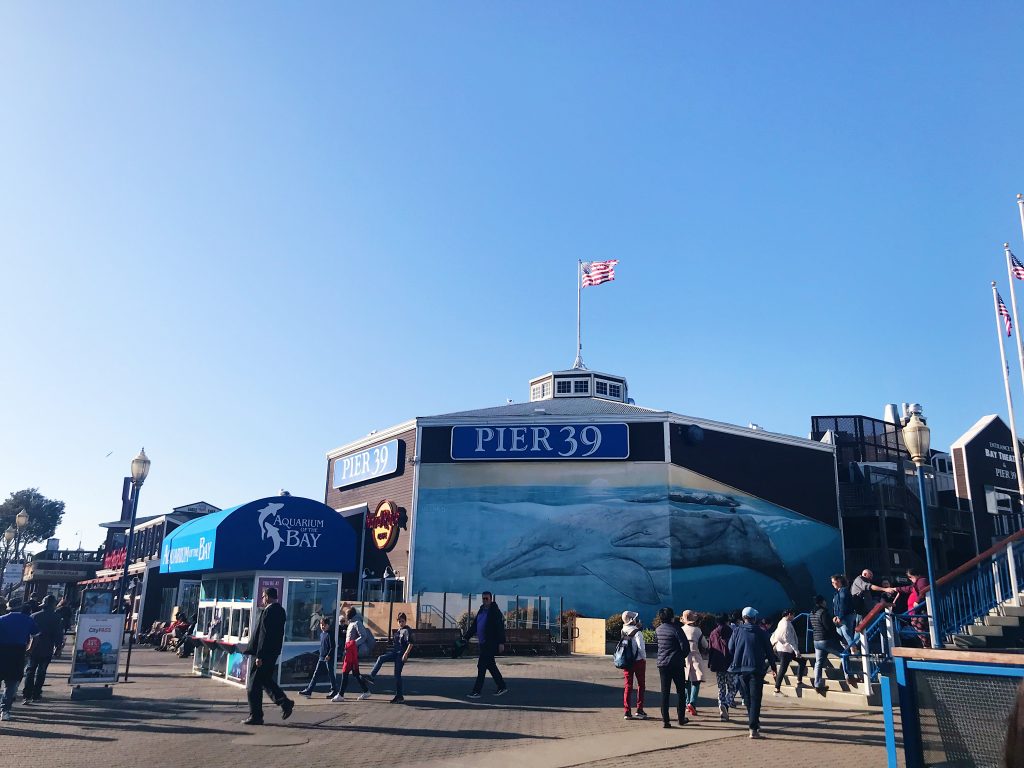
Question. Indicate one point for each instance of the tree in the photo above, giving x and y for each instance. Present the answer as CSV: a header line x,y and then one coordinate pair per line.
x,y
44,517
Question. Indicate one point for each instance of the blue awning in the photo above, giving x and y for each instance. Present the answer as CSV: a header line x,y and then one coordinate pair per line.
x,y
280,533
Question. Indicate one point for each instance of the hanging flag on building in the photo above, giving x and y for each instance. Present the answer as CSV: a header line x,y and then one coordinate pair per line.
x,y
1005,314
597,272
1018,268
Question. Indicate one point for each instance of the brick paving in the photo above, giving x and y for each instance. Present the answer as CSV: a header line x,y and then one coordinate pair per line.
x,y
559,712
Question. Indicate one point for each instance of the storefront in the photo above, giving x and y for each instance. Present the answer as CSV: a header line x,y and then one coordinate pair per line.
x,y
582,496
301,547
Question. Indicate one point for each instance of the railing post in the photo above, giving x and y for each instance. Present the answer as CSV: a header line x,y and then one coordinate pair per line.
x,y
865,661
1012,565
996,581
934,630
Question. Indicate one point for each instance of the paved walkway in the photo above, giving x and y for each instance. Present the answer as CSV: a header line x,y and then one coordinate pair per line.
x,y
559,712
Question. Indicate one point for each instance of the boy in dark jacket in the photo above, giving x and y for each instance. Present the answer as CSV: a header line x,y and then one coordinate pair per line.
x,y
752,654
489,628
326,661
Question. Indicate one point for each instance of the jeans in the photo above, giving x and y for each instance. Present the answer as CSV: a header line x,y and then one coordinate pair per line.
x,y
332,675
846,628
726,689
822,648
691,697
669,676
485,664
259,678
638,671
35,676
10,689
395,656
751,686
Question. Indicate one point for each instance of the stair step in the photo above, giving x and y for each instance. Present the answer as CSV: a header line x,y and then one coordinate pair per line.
x,y
1002,621
834,697
1013,610
984,630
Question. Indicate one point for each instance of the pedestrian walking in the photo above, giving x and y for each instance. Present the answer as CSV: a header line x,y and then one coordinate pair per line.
x,y
16,629
673,648
66,615
264,647
916,603
325,661
786,646
489,628
401,647
843,614
751,655
40,653
696,671
355,635
719,660
632,632
826,641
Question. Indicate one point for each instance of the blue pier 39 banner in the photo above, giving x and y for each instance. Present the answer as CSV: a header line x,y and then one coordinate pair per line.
x,y
540,441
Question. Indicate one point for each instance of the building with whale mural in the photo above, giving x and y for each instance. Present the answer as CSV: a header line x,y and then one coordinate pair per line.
x,y
582,495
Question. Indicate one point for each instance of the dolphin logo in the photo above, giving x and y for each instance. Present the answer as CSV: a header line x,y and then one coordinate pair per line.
x,y
268,531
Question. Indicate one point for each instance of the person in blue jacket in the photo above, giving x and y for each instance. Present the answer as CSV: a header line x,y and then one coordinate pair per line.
x,y
489,628
752,654
16,628
843,612
326,661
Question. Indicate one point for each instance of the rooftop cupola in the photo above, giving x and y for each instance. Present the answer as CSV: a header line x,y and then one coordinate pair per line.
x,y
579,382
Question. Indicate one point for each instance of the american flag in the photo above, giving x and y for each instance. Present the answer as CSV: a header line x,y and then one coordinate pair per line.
x,y
597,272
1018,268
1005,314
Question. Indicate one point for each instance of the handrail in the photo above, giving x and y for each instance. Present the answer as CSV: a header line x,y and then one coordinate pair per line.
x,y
952,575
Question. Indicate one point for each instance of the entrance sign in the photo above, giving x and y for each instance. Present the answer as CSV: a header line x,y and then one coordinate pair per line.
x,y
97,644
540,441
379,461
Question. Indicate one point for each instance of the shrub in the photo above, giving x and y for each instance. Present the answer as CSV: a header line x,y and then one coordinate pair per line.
x,y
613,627
649,636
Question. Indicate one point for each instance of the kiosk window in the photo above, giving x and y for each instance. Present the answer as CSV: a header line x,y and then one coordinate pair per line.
x,y
243,589
244,631
225,589
308,601
208,590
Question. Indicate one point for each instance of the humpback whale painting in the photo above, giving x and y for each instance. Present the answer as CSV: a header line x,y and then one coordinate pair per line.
x,y
670,538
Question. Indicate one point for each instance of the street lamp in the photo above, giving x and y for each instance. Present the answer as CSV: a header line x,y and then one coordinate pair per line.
x,y
13,533
140,471
917,438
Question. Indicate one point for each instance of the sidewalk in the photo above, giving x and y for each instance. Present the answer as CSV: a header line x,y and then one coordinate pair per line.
x,y
559,712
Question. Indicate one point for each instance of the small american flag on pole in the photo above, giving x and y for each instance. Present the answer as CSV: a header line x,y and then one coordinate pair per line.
x,y
1018,268
597,272
1005,314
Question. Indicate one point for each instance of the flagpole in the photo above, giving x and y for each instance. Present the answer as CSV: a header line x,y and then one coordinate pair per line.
x,y
1009,398
1013,303
578,363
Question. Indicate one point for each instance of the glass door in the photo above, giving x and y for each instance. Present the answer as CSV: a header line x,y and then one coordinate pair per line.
x,y
188,598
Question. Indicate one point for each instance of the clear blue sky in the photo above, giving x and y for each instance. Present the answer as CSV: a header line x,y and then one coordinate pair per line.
x,y
243,234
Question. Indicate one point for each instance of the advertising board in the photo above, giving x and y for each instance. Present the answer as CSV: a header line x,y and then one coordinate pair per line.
x,y
97,644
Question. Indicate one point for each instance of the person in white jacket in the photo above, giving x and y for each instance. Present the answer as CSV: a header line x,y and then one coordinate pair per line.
x,y
696,670
786,647
632,630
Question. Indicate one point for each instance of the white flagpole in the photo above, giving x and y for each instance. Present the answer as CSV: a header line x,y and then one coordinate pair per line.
x,y
1009,398
578,363
1013,303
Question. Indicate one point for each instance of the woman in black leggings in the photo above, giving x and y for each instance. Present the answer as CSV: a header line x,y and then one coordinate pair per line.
x,y
673,648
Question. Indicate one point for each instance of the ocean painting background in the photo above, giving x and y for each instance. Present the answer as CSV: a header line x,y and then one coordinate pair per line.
x,y
609,537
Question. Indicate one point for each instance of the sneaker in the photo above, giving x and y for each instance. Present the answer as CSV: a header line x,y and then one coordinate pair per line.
x,y
363,696
338,697
756,734
820,690
305,693
641,715
27,700
473,695
501,691
723,714
778,693
5,715
248,721
683,721
666,725
628,716
286,708
397,700
691,710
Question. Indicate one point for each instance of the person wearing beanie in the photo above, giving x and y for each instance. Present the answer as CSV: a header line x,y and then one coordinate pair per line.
x,y
633,632
751,655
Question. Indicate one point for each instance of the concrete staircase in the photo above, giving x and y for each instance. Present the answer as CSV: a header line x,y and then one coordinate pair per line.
x,y
1003,627
838,694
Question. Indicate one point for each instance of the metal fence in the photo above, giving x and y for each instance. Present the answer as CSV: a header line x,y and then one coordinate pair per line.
x,y
456,610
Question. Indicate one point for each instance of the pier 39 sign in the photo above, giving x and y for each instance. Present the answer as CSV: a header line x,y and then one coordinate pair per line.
x,y
374,462
540,441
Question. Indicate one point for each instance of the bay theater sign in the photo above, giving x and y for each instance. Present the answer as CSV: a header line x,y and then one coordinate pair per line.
x,y
558,442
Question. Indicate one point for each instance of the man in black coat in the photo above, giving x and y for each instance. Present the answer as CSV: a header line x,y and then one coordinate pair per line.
x,y
40,653
264,648
489,628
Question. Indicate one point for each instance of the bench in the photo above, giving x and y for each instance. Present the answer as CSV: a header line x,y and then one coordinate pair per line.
x,y
434,642
520,640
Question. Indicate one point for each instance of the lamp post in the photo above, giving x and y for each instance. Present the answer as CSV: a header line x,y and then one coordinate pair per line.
x,y
917,438
140,470
13,533
131,632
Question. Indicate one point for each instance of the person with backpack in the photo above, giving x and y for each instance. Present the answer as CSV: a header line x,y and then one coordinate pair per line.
x,y
786,646
673,648
719,660
695,670
356,635
631,657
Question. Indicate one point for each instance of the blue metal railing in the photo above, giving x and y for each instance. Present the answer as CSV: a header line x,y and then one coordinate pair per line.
x,y
974,593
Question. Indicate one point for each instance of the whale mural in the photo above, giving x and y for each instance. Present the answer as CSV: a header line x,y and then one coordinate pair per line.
x,y
605,548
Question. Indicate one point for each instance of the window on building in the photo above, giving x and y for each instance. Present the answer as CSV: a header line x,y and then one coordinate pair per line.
x,y
601,387
581,387
308,601
535,392
615,390
563,387
545,389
